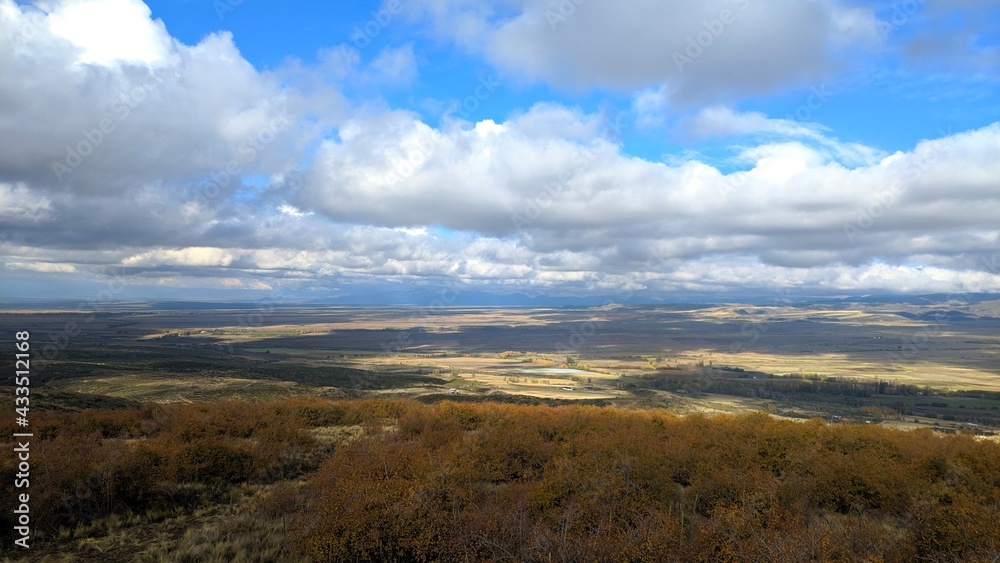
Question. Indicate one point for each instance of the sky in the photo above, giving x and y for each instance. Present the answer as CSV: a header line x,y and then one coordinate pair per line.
x,y
634,150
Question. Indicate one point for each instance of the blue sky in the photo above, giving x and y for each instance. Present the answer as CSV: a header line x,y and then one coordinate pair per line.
x,y
636,150
866,104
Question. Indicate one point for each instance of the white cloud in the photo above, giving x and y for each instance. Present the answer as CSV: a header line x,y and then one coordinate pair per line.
x,y
413,231
543,200
98,99
391,67
394,66
46,267
797,206
18,204
110,31
290,210
239,283
703,50
722,121
650,107
193,256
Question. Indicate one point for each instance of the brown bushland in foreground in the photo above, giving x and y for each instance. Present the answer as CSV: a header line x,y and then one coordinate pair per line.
x,y
491,482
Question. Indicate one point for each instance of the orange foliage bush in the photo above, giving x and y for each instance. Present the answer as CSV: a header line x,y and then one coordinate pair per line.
x,y
95,463
499,482
490,482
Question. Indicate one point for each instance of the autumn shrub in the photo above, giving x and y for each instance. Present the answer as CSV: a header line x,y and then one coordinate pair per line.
x,y
453,481
525,483
96,463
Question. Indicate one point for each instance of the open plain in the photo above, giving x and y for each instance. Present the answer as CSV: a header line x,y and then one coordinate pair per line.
x,y
935,364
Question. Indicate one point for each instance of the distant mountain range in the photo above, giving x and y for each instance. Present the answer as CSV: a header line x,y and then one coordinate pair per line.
x,y
964,306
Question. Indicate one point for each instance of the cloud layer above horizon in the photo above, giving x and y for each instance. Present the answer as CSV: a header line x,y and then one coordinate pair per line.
x,y
624,155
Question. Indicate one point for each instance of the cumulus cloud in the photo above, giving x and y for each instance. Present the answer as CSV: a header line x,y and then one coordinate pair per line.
x,y
18,204
110,31
463,178
46,267
194,256
200,167
722,121
395,66
112,102
391,67
700,51
800,204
